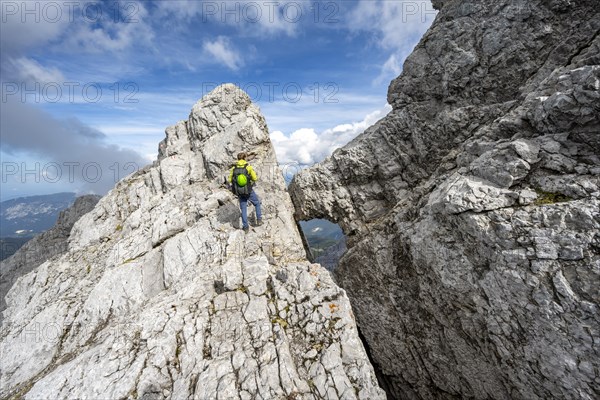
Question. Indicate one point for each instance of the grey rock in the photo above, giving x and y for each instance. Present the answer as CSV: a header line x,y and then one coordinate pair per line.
x,y
472,209
161,295
49,244
527,196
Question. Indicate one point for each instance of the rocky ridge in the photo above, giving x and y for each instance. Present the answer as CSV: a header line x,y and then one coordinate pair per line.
x,y
52,243
472,209
161,295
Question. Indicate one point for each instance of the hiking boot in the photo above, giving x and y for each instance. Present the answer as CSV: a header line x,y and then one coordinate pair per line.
x,y
246,229
259,222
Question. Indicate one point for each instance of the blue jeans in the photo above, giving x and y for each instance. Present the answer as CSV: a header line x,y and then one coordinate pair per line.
x,y
254,200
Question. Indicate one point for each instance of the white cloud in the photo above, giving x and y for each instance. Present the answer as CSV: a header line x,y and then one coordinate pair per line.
x,y
396,26
283,18
64,29
222,50
322,107
69,27
113,34
32,134
253,18
28,70
389,70
304,146
19,31
396,23
181,9
99,40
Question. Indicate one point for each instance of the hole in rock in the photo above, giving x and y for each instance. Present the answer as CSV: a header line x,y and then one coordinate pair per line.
x,y
326,242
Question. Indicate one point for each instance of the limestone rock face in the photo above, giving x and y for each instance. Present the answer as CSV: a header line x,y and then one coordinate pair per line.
x,y
161,295
472,210
52,243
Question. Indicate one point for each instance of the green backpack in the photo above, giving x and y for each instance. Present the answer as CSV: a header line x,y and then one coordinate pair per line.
x,y
241,184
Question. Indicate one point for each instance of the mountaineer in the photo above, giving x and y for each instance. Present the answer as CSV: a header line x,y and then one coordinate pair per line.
x,y
242,178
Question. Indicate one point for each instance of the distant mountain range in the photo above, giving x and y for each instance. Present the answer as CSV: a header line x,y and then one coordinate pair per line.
x,y
28,216
24,217
326,241
330,257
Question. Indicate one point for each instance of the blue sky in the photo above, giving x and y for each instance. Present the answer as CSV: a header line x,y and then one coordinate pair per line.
x,y
89,87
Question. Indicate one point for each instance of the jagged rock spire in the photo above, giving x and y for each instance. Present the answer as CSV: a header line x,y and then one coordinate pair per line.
x,y
161,295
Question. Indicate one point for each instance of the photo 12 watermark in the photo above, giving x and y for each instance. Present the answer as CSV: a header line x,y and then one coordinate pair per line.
x,y
70,92
265,13
93,12
69,11
65,172
269,12
289,92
